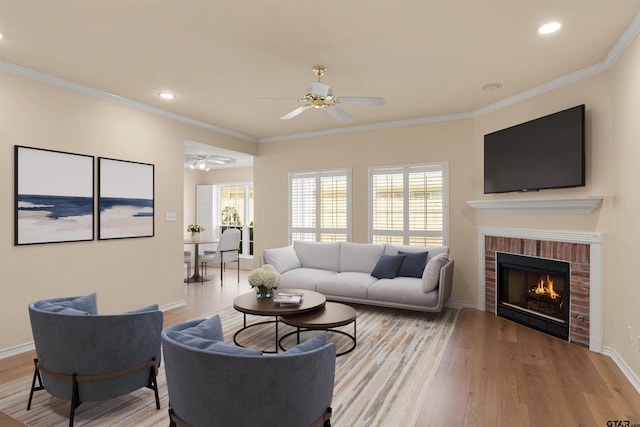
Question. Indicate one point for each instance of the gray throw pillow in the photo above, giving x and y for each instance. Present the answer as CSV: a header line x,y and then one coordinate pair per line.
x,y
387,266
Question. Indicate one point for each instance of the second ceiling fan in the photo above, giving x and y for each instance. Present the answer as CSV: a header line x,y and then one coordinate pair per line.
x,y
320,95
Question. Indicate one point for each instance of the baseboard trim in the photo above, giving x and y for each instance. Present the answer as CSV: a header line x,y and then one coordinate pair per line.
x,y
18,349
172,305
633,378
463,304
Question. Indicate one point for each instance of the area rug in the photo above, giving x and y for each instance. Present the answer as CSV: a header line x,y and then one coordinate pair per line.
x,y
384,381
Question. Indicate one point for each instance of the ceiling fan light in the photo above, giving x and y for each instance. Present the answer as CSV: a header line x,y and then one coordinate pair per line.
x,y
201,165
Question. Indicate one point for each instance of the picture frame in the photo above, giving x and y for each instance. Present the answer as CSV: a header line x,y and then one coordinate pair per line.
x,y
54,196
125,199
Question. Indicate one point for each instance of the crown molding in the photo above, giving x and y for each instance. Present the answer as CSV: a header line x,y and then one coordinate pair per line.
x,y
627,37
374,126
85,90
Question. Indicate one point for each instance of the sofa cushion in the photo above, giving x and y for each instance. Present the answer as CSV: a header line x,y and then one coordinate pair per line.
x,y
348,284
320,255
282,259
431,275
387,266
304,278
359,257
413,264
402,290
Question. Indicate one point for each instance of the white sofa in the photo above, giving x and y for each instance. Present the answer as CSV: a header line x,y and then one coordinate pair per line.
x,y
342,271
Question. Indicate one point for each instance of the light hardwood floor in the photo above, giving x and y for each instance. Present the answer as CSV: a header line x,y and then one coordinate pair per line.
x,y
494,372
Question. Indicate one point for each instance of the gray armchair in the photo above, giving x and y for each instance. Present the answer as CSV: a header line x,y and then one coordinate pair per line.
x,y
211,383
82,356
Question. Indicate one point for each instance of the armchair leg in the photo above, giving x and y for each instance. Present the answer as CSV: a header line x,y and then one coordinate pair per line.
x,y
36,375
153,384
75,399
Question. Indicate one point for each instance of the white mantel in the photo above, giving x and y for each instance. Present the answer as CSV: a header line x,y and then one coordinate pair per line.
x,y
577,205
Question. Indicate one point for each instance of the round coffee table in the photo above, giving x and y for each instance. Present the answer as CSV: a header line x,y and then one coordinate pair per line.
x,y
249,304
332,315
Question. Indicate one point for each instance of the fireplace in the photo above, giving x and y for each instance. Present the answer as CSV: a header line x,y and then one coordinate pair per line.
x,y
534,292
581,250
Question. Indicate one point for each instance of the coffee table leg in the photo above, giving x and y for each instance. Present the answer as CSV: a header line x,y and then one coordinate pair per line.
x,y
277,334
298,335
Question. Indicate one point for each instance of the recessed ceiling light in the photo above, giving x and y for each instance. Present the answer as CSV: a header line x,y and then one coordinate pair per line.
x,y
167,95
549,28
490,87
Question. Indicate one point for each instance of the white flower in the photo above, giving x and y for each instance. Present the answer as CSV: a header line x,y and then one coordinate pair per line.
x,y
266,276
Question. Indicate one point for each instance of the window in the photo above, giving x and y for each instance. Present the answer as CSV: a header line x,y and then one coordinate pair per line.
x,y
408,204
320,206
236,211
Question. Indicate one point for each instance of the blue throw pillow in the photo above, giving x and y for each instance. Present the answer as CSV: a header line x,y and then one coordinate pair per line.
x,y
224,348
210,329
152,307
316,342
413,264
387,266
87,303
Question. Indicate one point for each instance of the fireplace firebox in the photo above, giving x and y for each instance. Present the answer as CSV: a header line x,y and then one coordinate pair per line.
x,y
534,292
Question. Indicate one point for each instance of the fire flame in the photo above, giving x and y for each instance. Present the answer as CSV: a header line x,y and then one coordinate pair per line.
x,y
546,287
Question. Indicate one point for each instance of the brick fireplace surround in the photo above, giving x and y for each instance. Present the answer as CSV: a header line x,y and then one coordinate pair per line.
x,y
582,250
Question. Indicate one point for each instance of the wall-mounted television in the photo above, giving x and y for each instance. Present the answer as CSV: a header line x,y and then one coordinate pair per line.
x,y
543,153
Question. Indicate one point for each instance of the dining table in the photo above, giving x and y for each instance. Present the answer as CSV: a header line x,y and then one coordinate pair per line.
x,y
197,277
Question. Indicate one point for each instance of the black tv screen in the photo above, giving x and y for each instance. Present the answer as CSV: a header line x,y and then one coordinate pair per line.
x,y
544,153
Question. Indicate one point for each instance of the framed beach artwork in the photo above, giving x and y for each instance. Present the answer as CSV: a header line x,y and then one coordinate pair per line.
x,y
125,199
54,196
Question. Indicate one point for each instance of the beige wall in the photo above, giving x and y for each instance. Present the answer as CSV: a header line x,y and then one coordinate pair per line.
x,y
623,299
126,273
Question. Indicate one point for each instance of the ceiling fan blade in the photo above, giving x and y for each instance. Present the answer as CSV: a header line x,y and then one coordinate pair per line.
x,y
339,114
292,114
361,100
320,89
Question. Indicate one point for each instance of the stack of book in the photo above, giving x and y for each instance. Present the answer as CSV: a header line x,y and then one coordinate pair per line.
x,y
287,299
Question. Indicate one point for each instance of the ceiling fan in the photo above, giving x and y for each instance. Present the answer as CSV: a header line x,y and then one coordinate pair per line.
x,y
205,161
320,95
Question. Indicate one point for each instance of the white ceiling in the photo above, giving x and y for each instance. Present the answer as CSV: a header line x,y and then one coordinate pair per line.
x,y
427,58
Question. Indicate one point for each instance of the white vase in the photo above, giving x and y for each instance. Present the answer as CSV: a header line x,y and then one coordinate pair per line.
x,y
195,237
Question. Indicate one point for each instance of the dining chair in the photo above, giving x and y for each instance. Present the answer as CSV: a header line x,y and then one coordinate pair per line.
x,y
187,260
228,251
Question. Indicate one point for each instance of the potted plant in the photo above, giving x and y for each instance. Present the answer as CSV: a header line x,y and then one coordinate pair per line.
x,y
195,230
